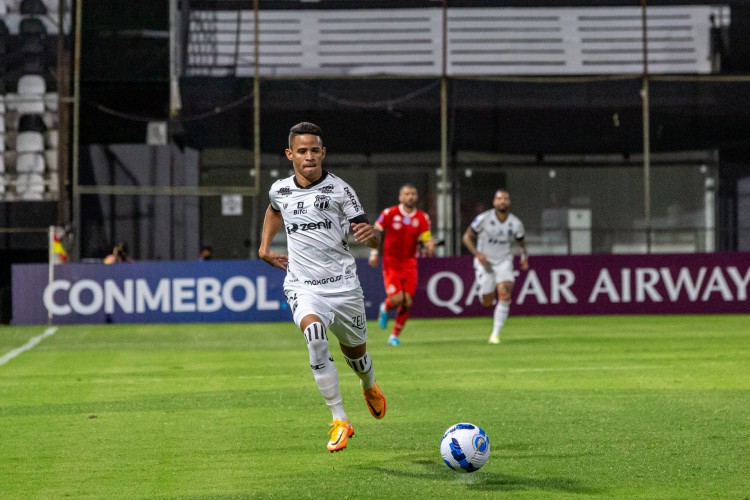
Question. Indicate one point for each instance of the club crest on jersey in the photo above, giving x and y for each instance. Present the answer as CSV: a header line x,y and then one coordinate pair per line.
x,y
326,189
285,191
322,202
300,208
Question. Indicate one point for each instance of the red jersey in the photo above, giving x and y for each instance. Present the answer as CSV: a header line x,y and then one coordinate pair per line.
x,y
403,232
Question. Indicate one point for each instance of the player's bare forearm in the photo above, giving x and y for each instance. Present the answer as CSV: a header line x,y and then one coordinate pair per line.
x,y
366,234
274,259
524,256
271,225
469,240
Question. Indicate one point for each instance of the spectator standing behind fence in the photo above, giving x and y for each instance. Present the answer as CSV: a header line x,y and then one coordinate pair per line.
x,y
318,210
119,254
407,231
489,239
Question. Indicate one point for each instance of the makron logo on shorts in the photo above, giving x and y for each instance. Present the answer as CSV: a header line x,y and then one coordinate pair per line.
x,y
324,281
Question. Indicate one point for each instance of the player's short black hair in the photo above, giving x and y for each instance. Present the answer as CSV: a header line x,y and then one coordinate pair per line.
x,y
303,128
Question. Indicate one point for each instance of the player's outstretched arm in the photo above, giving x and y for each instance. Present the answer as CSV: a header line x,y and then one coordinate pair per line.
x,y
524,255
470,242
271,225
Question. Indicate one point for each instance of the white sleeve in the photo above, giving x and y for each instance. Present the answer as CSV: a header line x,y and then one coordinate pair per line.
x,y
351,204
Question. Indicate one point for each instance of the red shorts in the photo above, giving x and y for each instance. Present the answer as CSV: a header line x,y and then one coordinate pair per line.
x,y
400,279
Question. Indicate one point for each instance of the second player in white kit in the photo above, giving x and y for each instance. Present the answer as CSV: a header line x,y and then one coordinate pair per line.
x,y
490,238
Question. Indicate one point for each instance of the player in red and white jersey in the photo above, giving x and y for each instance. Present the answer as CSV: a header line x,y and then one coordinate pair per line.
x,y
407,232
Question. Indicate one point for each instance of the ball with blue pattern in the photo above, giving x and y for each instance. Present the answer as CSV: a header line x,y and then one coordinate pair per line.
x,y
465,447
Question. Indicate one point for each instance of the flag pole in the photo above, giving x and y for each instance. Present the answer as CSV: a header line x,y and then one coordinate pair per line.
x,y
51,258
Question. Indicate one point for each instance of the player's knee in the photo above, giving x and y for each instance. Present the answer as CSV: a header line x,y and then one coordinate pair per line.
x,y
317,344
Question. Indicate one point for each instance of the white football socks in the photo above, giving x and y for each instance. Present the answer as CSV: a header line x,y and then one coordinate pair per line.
x,y
502,308
324,369
364,370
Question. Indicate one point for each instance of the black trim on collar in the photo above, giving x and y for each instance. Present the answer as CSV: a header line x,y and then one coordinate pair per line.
x,y
322,178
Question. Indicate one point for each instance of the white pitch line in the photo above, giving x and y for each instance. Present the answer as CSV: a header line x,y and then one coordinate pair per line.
x,y
28,345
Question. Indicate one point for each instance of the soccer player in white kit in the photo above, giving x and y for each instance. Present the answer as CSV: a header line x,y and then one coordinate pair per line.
x,y
489,238
318,211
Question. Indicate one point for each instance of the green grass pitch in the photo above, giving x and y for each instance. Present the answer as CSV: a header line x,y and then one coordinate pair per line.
x,y
575,407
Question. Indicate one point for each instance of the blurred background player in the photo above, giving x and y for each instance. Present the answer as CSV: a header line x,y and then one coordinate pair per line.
x,y
407,232
320,210
489,238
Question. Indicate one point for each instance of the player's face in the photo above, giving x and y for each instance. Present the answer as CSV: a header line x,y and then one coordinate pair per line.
x,y
408,197
501,201
306,154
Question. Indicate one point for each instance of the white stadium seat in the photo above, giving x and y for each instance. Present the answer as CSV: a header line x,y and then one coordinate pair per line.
x,y
50,159
11,101
30,186
53,6
32,85
53,139
51,100
30,163
30,142
29,104
54,181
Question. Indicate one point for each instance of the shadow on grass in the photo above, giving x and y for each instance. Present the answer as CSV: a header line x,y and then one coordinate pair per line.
x,y
484,480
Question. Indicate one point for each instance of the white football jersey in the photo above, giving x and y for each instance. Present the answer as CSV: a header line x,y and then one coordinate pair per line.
x,y
494,238
316,221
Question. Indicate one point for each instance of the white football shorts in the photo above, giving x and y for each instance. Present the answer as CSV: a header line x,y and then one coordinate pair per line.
x,y
488,279
342,313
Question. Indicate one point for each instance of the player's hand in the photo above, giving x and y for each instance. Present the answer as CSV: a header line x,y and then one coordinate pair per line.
x,y
275,259
525,264
482,258
373,260
363,232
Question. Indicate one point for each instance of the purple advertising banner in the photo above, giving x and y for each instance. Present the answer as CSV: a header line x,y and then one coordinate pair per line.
x,y
251,290
149,292
595,284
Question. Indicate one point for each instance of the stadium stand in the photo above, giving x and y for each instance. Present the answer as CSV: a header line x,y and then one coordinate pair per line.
x,y
28,99
33,7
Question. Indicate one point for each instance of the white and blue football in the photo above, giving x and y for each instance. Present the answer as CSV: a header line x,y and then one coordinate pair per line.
x,y
465,447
